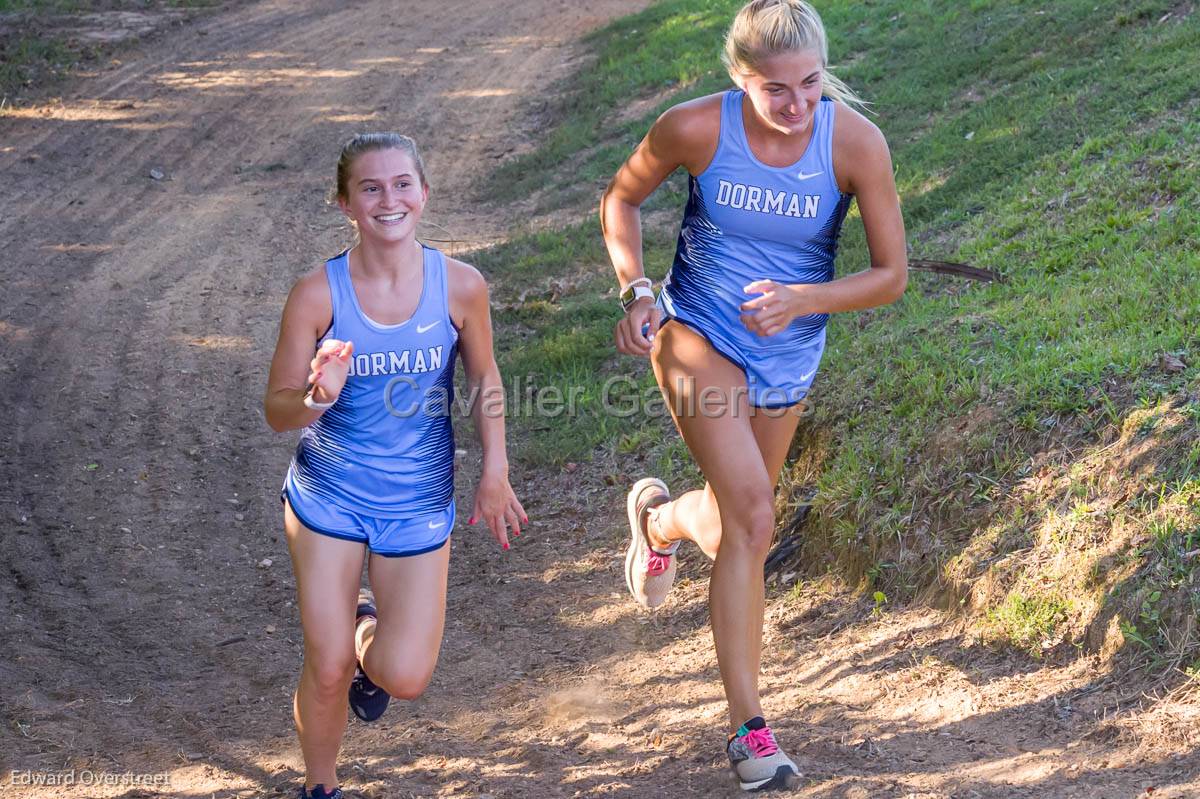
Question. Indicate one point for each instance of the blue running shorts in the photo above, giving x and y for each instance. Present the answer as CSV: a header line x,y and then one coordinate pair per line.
x,y
392,538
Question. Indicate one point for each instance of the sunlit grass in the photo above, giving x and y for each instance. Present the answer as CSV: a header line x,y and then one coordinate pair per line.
x,y
1021,146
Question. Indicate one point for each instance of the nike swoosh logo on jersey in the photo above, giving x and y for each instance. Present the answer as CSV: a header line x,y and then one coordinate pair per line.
x,y
433,526
805,377
423,328
806,176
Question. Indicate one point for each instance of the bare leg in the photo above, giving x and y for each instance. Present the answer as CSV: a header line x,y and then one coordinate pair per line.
x,y
400,651
328,571
693,516
741,484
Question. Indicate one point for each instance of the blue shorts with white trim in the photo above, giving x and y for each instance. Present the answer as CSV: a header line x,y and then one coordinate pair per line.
x,y
392,538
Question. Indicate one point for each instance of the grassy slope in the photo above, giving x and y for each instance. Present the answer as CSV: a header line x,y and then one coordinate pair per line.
x,y
38,46
972,442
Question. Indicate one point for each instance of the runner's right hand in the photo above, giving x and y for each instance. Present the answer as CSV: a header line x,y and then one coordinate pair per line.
x,y
643,315
329,368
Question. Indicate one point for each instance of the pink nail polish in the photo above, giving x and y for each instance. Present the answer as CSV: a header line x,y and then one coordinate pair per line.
x,y
506,546
471,520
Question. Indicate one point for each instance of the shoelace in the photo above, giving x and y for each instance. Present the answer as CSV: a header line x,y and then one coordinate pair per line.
x,y
761,742
657,563
363,685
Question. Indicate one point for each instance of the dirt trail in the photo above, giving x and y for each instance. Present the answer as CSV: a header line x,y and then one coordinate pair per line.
x,y
144,633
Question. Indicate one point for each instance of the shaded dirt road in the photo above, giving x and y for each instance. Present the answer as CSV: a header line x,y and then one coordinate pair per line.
x,y
144,632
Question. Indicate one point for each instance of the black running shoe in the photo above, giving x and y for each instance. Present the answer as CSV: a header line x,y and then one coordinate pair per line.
x,y
367,700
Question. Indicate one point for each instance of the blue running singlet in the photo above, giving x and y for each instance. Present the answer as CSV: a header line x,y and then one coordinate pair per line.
x,y
385,450
747,221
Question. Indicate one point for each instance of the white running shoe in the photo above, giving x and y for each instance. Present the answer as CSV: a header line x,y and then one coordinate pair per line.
x,y
757,761
649,572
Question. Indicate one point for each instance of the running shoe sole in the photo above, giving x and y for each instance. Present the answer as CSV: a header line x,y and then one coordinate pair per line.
x,y
637,539
783,779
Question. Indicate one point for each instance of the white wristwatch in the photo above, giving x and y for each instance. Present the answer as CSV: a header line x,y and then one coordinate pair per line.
x,y
309,402
641,287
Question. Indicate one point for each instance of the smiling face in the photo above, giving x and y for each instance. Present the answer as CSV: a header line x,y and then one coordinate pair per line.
x,y
384,195
784,90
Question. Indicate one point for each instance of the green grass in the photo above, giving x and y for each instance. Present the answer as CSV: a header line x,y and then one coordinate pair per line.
x,y
72,6
1165,600
1029,621
26,59
670,45
38,51
48,6
1058,145
554,316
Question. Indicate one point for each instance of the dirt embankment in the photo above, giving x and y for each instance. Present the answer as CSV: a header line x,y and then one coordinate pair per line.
x,y
154,219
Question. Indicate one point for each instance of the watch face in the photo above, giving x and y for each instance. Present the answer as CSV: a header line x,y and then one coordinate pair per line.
x,y
631,294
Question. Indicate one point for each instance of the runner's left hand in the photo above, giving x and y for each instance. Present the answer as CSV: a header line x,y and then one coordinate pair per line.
x,y
496,504
774,309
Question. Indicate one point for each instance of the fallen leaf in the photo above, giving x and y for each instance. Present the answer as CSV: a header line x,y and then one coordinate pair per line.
x,y
1170,363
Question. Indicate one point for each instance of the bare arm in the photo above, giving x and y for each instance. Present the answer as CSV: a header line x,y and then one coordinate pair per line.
x,y
864,167
295,367
495,502
684,136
